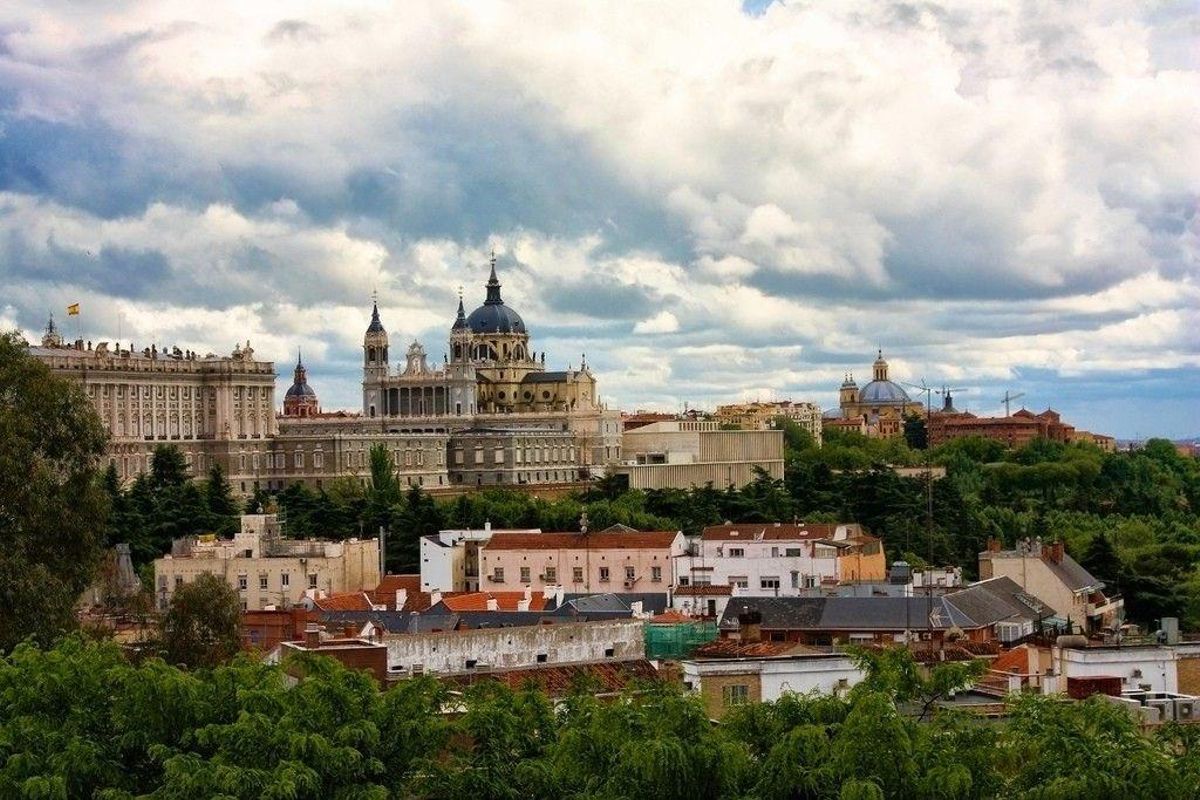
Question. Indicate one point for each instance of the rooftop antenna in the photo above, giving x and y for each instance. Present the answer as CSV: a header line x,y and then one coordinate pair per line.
x,y
1007,400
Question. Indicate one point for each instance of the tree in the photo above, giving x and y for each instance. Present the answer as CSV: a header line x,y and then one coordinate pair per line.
x,y
53,507
203,626
916,434
1101,559
167,467
218,497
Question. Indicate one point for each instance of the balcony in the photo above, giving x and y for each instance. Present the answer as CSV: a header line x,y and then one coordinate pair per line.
x,y
1105,606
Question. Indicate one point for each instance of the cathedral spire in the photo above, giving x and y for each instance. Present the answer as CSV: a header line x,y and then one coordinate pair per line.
x,y
493,285
460,321
376,325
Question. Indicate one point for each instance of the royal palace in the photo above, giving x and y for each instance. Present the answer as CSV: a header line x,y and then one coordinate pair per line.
x,y
489,414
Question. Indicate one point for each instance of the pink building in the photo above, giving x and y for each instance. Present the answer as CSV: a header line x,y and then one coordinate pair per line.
x,y
614,560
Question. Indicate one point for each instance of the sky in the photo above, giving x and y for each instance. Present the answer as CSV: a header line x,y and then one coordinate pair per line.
x,y
713,201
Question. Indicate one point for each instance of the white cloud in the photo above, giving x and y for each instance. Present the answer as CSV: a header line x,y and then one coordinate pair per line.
x,y
662,322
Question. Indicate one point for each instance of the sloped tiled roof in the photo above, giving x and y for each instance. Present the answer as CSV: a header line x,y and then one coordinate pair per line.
x,y
559,679
385,593
506,601
603,540
732,648
996,600
345,601
771,532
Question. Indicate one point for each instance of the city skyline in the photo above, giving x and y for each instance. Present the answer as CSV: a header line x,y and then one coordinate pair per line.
x,y
999,199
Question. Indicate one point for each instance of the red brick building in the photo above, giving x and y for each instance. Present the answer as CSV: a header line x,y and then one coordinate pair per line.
x,y
1015,431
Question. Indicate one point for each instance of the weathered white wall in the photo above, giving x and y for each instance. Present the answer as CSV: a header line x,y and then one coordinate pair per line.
x,y
517,647
1158,665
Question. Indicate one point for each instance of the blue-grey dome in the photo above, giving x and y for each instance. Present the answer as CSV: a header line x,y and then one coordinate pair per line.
x,y
883,392
300,390
493,316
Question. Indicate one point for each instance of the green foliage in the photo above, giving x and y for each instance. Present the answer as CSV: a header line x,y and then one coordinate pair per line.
x,y
79,721
52,499
203,626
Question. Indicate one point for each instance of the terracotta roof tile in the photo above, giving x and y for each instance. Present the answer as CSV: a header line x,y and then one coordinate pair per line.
x,y
603,540
346,601
558,680
478,601
385,593
670,617
732,648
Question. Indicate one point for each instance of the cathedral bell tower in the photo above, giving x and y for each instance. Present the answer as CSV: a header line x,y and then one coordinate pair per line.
x,y
375,364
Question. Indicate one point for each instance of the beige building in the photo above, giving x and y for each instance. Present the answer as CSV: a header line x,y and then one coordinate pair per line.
x,y
759,416
268,570
613,560
209,406
681,454
1048,573
513,456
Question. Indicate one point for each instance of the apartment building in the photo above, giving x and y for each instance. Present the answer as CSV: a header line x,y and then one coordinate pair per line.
x,y
617,559
782,559
266,569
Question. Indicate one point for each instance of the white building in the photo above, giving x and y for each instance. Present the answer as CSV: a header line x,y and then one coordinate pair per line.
x,y
450,559
1151,668
452,652
726,682
266,569
780,560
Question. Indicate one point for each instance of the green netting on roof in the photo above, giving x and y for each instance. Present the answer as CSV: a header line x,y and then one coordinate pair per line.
x,y
677,640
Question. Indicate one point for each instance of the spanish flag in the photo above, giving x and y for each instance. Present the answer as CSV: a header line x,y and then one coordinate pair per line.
x,y
73,310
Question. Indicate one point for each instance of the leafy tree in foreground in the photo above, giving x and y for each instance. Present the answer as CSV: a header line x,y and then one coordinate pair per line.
x,y
52,505
203,626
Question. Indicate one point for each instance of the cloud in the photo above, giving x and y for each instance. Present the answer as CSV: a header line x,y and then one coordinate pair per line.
x,y
662,322
995,193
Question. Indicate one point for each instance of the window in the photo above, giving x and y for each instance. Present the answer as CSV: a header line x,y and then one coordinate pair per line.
x,y
577,574
312,580
702,580
793,552
524,574
299,460
774,552
684,580
735,694
262,582
628,573
241,583
656,574
604,574
162,583
498,574
478,455
178,581
768,582
551,575
736,552
498,456
795,579
285,580
741,581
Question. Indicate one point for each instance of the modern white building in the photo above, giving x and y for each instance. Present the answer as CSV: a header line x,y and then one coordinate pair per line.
x,y
1152,668
781,560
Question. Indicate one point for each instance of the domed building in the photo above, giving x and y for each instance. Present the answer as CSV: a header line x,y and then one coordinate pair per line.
x,y
877,409
300,400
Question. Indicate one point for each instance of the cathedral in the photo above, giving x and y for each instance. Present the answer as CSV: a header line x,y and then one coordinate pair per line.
x,y
877,409
489,370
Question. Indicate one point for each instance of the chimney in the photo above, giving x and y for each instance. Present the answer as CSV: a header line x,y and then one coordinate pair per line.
x,y
523,605
528,593
993,544
1054,552
348,632
487,526
435,597
493,604
401,599
312,636
749,626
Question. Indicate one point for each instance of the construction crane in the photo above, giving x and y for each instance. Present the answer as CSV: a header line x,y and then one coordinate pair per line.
x,y
1007,400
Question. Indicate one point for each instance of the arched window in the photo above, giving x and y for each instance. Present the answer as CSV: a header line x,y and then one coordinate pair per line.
x,y
371,354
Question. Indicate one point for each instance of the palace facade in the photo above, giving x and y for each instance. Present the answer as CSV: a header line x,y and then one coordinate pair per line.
x,y
490,414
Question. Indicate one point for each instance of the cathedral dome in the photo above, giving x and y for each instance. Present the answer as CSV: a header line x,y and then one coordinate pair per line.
x,y
495,319
884,392
493,316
